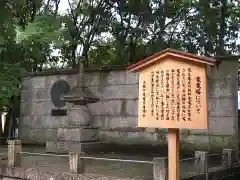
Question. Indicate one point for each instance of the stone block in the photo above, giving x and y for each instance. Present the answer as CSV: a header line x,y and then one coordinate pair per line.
x,y
95,108
131,78
191,142
42,108
99,121
110,107
195,131
226,69
79,115
25,121
51,146
113,92
222,125
41,95
32,136
67,146
39,82
26,83
25,109
77,134
222,88
115,77
26,96
71,79
121,122
130,91
38,122
92,78
95,90
51,134
56,121
222,107
131,107
128,137
42,121
220,142
50,80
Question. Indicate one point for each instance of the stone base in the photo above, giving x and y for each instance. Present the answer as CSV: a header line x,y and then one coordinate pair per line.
x,y
74,138
66,146
51,147
78,134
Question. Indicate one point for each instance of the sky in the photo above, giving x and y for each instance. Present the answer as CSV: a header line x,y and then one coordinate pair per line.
x,y
63,6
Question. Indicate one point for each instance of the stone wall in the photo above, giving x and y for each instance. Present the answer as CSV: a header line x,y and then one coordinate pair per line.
x,y
116,113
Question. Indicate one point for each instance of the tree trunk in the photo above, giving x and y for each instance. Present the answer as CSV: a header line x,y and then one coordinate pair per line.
x,y
222,29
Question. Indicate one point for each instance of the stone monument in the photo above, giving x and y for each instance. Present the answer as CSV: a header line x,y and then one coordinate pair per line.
x,y
78,135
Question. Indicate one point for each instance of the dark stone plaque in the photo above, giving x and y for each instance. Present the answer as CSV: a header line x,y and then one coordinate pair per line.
x,y
59,88
59,112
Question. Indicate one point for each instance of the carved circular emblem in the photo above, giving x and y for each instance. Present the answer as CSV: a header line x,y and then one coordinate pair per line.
x,y
58,89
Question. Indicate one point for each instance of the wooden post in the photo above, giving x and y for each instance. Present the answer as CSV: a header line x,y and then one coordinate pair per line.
x,y
173,154
76,163
14,148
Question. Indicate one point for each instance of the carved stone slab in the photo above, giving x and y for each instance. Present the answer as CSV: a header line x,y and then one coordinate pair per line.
x,y
59,88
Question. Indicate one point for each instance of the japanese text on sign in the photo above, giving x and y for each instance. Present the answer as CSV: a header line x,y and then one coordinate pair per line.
x,y
171,94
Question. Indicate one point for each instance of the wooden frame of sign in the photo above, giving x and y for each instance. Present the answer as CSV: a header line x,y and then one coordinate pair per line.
x,y
172,94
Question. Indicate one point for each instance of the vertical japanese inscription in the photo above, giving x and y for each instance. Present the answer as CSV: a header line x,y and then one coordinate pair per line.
x,y
173,95
178,94
189,100
198,94
183,95
162,95
157,94
152,93
144,99
167,95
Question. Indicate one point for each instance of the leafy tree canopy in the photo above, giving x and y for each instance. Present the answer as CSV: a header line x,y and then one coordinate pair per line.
x,y
35,34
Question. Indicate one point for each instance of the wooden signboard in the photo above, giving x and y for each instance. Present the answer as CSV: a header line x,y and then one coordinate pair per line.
x,y
172,94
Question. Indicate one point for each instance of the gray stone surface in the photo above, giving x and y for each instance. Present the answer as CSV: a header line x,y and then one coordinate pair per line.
x,y
51,146
79,115
67,146
116,113
78,134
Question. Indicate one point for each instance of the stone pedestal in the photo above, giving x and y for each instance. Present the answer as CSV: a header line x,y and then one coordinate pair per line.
x,y
79,115
78,135
77,139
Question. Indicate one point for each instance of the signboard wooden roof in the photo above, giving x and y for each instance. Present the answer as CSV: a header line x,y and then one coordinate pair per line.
x,y
172,90
169,53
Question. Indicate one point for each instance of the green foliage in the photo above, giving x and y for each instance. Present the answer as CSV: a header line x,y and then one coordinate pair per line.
x,y
10,82
122,32
13,14
35,35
